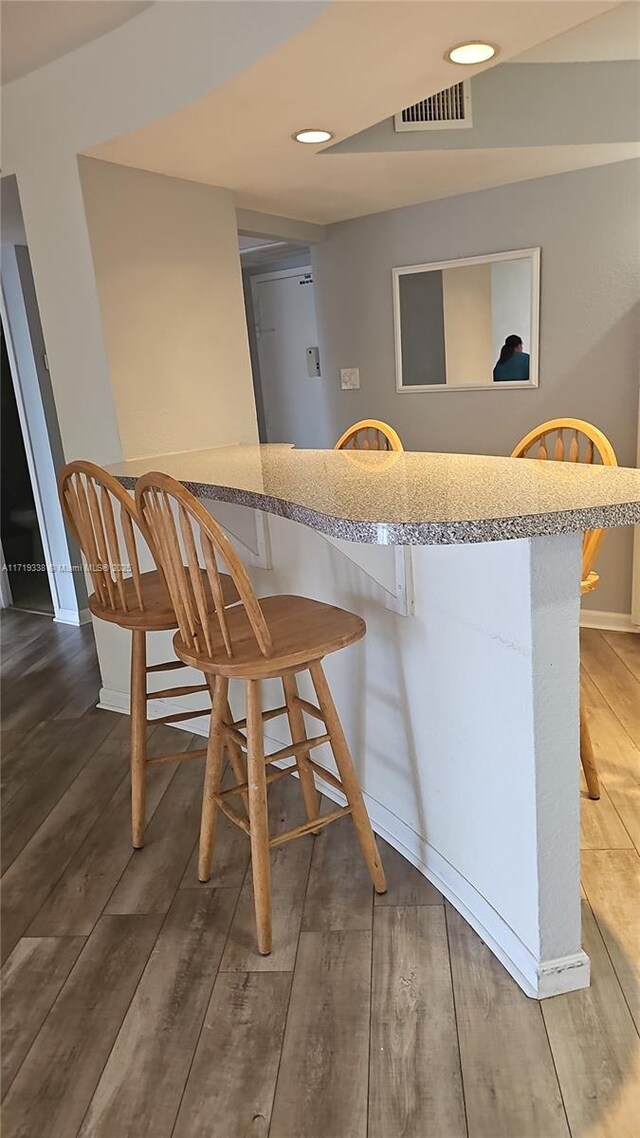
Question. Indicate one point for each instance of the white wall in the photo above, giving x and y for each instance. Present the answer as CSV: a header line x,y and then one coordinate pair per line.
x,y
466,299
510,303
165,254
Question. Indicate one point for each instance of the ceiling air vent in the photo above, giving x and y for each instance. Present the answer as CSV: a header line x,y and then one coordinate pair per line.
x,y
443,111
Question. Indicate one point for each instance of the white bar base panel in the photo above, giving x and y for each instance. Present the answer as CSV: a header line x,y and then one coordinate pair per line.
x,y
463,721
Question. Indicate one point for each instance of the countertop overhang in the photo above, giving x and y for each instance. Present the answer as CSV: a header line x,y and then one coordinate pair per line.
x,y
407,498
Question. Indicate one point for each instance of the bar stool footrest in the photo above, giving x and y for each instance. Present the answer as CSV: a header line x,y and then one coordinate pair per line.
x,y
232,814
182,756
310,708
309,827
266,716
168,666
242,787
297,748
328,776
177,718
166,693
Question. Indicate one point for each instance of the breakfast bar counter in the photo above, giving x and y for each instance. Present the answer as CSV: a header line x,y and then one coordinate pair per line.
x,y
406,497
461,705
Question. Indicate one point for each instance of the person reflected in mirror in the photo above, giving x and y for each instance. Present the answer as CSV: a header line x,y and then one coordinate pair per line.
x,y
513,364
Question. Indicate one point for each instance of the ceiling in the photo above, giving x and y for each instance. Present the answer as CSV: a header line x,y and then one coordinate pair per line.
x,y
239,135
616,35
35,32
264,251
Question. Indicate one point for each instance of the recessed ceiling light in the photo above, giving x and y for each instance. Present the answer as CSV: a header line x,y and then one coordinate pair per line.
x,y
310,134
475,51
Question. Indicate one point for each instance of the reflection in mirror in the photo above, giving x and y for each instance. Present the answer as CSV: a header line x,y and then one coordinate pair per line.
x,y
468,323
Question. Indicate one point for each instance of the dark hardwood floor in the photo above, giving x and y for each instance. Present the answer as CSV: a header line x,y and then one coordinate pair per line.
x,y
134,1003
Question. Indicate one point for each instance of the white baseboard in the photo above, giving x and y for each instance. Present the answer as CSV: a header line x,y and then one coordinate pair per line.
x,y
71,616
607,621
537,979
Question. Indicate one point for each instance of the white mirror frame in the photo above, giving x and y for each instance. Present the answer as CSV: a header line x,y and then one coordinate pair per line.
x,y
458,262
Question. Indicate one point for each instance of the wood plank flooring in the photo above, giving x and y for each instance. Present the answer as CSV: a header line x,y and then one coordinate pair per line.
x,y
134,1003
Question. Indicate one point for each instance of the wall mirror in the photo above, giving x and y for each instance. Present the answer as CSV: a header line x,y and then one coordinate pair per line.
x,y
469,323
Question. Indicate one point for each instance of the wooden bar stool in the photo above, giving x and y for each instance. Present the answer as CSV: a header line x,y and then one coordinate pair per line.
x,y
255,640
369,434
585,443
103,518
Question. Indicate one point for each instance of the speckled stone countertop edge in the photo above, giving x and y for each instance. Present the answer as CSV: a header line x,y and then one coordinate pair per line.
x,y
419,533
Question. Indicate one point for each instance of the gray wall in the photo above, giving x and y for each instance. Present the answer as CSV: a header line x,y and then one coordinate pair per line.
x,y
422,323
588,227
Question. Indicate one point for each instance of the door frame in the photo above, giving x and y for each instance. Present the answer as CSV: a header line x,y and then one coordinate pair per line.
x,y
37,446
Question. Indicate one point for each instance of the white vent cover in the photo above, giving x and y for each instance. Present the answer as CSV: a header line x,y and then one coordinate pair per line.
x,y
445,110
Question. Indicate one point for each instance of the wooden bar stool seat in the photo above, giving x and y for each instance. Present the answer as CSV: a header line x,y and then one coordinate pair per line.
x,y
574,440
157,613
301,630
104,520
279,636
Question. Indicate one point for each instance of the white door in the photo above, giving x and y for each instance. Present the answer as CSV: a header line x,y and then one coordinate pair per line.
x,y
293,393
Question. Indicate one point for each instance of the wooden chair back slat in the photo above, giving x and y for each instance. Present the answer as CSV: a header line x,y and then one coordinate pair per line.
x,y
157,496
98,531
88,493
97,558
593,444
215,584
113,545
168,548
194,578
126,526
369,434
76,509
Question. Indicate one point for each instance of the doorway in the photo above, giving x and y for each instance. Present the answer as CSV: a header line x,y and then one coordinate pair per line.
x,y
290,389
28,393
22,548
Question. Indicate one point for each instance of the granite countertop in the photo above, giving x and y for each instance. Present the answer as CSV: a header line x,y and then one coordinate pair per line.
x,y
408,498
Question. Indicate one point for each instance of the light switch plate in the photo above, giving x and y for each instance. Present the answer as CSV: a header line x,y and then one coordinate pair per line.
x,y
350,378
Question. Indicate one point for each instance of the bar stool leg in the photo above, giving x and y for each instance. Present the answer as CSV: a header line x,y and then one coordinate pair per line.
x,y
298,735
259,820
138,709
587,758
212,774
349,778
235,753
